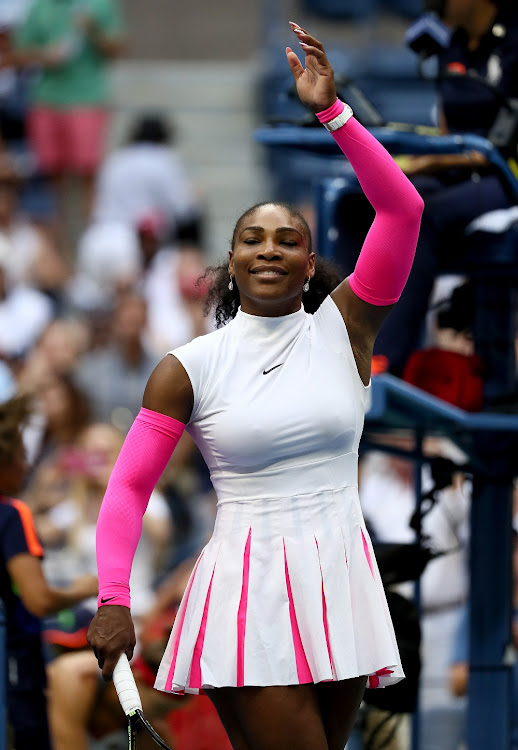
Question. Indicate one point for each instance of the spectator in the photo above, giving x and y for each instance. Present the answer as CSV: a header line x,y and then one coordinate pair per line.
x,y
64,411
71,43
459,653
146,176
81,707
60,345
108,263
24,311
68,524
173,289
444,584
13,84
113,377
25,592
34,259
456,187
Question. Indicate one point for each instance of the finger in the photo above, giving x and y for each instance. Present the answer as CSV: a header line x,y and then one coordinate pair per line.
x,y
108,667
311,50
294,63
304,36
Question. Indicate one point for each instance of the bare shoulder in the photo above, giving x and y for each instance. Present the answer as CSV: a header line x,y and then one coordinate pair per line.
x,y
169,390
362,319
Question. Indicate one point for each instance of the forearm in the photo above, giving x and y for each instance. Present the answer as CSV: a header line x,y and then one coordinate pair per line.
x,y
52,600
143,458
388,251
384,184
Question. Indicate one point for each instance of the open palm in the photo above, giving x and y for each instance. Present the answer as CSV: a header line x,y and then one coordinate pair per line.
x,y
315,82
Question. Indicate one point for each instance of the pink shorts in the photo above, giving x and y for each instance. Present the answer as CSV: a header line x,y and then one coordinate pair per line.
x,y
70,140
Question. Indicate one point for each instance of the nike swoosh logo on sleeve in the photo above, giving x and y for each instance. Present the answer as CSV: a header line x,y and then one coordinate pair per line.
x,y
265,372
107,599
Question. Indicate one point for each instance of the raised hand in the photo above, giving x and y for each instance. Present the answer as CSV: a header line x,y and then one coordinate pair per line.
x,y
315,83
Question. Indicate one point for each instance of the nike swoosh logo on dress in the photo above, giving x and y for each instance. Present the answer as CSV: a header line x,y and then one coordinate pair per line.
x,y
265,372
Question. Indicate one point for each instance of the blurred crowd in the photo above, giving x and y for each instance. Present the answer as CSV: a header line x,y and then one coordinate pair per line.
x,y
100,257
100,261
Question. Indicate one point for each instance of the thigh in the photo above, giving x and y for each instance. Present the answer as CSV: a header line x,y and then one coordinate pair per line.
x,y
455,206
44,129
283,717
339,703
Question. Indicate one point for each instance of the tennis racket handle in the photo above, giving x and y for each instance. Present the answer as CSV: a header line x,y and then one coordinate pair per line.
x,y
125,686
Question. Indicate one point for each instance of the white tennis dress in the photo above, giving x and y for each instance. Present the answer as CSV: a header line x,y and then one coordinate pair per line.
x,y
287,590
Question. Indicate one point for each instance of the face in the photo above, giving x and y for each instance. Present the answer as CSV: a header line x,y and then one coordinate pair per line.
x,y
271,261
100,444
130,319
458,13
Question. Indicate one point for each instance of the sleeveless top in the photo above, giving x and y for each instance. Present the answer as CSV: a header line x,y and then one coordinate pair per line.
x,y
287,590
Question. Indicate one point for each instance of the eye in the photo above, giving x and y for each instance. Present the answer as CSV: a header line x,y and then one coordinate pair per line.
x,y
250,241
289,243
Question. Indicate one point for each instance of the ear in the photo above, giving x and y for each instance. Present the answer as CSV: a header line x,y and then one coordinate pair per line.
x,y
231,262
311,265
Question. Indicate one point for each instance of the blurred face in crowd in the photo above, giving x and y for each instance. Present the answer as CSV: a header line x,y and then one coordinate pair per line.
x,y
62,343
64,406
100,445
460,13
130,318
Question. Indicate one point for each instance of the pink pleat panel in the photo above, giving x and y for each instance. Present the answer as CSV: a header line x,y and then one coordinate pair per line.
x,y
324,612
303,671
241,614
181,615
195,674
367,553
374,679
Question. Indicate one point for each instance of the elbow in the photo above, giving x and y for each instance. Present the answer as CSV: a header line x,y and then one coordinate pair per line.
x,y
416,206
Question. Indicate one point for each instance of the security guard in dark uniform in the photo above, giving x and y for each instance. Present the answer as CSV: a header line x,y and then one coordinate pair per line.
x,y
457,187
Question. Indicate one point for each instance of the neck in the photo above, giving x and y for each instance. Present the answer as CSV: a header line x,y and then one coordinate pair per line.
x,y
270,309
479,22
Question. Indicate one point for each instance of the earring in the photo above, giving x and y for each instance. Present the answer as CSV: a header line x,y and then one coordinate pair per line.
x,y
305,288
230,284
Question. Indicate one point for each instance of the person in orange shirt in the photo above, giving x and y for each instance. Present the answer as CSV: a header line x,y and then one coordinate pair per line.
x,y
24,591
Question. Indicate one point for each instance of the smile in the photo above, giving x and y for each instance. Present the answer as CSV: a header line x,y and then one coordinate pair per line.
x,y
263,271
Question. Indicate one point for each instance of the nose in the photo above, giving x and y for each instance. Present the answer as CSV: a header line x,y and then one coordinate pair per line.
x,y
269,250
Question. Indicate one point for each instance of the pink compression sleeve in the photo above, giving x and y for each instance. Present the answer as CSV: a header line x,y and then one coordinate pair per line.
x,y
143,457
388,251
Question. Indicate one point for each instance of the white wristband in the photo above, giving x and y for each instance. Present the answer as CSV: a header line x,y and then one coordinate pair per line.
x,y
340,119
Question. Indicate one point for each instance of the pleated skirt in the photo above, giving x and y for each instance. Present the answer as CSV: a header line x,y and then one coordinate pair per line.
x,y
286,592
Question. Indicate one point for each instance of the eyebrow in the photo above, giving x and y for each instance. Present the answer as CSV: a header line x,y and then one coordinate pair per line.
x,y
279,230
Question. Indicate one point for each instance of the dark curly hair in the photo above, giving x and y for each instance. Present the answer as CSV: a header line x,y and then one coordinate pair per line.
x,y
224,303
14,415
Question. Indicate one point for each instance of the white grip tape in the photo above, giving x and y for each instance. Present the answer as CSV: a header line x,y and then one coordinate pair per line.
x,y
125,686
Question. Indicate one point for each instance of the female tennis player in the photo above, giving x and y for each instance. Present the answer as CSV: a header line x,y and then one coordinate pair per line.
x,y
284,619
